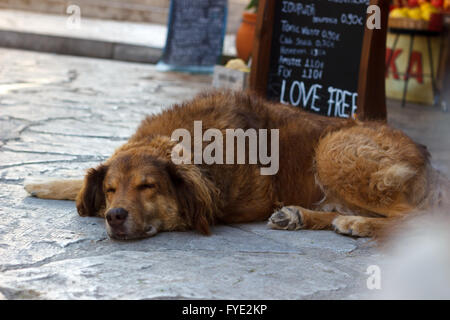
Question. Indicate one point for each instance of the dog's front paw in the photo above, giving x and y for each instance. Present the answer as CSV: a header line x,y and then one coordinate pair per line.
x,y
352,226
287,218
36,189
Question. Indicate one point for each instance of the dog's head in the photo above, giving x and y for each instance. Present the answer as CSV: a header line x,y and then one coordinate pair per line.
x,y
140,193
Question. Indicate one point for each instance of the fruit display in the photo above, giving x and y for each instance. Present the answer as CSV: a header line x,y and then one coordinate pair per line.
x,y
447,5
418,14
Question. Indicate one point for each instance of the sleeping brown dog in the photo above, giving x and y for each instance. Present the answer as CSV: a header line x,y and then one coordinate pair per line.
x,y
354,177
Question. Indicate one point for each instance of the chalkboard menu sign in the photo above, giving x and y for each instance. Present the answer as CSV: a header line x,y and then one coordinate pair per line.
x,y
195,35
311,65
316,55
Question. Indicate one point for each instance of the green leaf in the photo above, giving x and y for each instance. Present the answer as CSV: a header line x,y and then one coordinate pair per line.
x,y
252,4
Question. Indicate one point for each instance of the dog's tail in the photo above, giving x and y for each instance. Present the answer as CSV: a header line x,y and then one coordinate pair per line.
x,y
55,189
435,205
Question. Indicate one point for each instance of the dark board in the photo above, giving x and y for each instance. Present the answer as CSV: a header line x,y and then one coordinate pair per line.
x,y
315,54
195,34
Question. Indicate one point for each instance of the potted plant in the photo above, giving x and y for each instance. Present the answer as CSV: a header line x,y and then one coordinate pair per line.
x,y
246,31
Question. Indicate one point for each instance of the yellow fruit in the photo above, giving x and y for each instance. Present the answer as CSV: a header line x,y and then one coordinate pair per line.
x,y
426,15
428,11
425,6
399,13
415,13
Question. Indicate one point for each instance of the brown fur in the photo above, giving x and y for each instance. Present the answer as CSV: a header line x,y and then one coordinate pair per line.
x,y
355,177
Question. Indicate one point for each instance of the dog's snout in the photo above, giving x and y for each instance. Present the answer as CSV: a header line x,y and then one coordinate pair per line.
x,y
116,216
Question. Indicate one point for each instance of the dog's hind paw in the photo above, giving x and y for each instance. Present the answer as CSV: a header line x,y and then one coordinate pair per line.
x,y
287,218
354,226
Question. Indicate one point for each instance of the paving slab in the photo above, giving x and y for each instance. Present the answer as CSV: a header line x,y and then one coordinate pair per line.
x,y
61,115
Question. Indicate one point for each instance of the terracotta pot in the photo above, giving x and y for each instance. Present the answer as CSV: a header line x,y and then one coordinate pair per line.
x,y
245,35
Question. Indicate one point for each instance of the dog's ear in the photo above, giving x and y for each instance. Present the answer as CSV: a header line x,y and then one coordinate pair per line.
x,y
91,198
197,196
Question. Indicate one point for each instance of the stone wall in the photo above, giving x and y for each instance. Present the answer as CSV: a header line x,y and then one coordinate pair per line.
x,y
153,11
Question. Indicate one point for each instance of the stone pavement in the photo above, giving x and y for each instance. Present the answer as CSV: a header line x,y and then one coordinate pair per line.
x,y
60,115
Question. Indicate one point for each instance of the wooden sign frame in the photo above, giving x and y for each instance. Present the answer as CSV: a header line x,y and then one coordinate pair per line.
x,y
371,100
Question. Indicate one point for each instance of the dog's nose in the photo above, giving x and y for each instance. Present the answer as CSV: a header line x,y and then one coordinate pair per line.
x,y
116,216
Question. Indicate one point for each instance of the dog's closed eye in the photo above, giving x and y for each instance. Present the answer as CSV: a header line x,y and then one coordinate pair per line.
x,y
110,190
145,186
